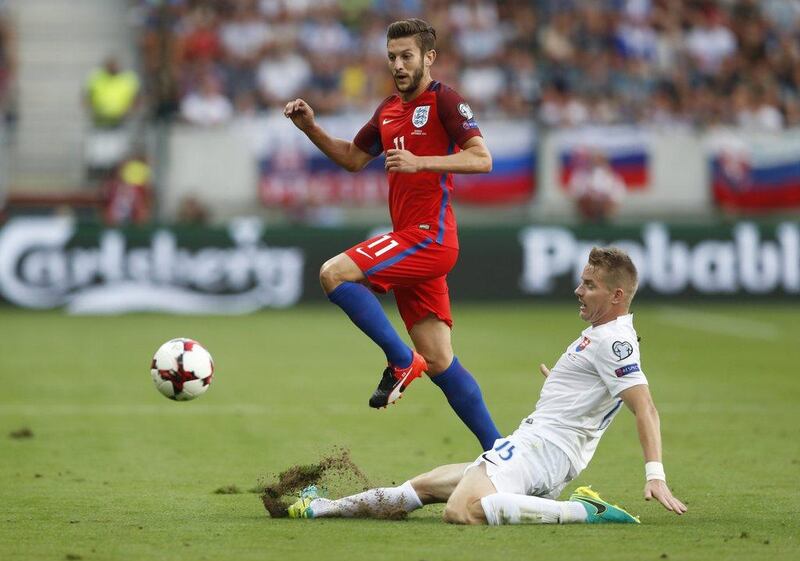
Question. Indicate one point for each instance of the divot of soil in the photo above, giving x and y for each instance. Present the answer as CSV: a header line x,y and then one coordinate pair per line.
x,y
336,473
227,490
21,434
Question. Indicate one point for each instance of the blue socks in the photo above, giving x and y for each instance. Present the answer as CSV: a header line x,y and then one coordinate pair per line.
x,y
464,396
459,387
366,312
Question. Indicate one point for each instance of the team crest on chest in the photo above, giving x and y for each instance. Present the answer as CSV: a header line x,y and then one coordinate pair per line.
x,y
420,116
583,344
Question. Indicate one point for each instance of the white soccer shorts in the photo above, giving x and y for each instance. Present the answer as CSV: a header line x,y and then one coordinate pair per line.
x,y
526,465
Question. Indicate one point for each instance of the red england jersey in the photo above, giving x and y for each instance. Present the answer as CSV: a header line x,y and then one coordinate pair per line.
x,y
437,123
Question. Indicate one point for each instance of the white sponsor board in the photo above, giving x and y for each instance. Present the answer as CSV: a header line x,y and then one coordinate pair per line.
x,y
746,263
40,268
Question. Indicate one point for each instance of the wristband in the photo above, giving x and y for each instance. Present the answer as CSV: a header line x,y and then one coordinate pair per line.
x,y
654,470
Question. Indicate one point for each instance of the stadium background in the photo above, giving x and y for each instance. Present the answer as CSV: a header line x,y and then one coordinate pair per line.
x,y
173,185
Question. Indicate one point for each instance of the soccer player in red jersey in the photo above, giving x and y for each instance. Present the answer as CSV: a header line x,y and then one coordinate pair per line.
x,y
428,133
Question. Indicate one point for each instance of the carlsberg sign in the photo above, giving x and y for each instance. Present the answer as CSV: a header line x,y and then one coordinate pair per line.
x,y
744,262
42,266
53,262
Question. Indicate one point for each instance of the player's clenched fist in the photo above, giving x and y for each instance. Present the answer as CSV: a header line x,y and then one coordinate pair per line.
x,y
300,113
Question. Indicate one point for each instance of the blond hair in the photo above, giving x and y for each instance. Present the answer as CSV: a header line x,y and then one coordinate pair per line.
x,y
618,269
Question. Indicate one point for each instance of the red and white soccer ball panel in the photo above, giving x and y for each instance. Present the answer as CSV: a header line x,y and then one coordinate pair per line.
x,y
198,361
166,357
182,369
192,389
164,386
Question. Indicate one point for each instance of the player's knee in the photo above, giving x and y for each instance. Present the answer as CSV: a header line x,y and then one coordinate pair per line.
x,y
454,515
438,361
475,512
463,513
329,276
422,488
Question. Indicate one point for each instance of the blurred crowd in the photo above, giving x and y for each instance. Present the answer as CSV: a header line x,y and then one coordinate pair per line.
x,y
564,62
7,64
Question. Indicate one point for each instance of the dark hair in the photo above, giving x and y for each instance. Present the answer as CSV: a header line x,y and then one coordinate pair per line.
x,y
618,268
420,30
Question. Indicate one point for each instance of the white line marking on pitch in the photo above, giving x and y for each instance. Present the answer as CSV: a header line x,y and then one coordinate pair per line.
x,y
719,324
139,409
67,409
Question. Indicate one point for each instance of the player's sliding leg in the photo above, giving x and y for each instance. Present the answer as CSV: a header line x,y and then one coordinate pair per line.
x,y
340,278
475,500
431,337
381,502
434,486
584,505
437,485
509,508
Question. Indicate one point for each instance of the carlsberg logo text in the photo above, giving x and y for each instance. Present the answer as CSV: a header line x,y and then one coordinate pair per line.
x,y
38,269
745,263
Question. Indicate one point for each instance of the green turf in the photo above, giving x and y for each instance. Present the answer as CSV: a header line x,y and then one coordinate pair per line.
x,y
115,471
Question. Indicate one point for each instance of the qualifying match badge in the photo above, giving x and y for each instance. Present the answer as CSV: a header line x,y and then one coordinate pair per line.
x,y
420,116
622,349
465,111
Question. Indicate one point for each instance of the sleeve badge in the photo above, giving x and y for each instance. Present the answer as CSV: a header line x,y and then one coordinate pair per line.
x,y
622,349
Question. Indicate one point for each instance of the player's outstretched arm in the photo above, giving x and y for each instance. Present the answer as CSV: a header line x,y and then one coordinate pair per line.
x,y
474,157
343,152
639,400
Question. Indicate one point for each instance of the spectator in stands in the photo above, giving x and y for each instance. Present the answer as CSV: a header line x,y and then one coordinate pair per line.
x,y
198,36
245,37
596,188
483,83
158,42
663,108
207,105
191,211
127,195
7,65
111,94
479,37
560,107
324,88
282,75
710,41
604,60
324,35
754,110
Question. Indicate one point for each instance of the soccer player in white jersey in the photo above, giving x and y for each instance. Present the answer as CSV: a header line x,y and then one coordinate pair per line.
x,y
520,478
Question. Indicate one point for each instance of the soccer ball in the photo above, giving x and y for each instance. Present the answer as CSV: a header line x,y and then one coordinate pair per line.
x,y
182,369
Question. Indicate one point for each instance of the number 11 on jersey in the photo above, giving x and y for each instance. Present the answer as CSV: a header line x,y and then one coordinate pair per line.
x,y
400,142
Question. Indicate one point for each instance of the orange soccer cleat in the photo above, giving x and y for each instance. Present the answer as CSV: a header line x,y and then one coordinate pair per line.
x,y
395,380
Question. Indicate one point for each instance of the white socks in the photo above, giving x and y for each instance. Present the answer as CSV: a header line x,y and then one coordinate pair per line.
x,y
384,502
499,508
509,508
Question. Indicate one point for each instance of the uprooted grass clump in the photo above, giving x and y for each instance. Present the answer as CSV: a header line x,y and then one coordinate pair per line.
x,y
21,434
335,472
227,490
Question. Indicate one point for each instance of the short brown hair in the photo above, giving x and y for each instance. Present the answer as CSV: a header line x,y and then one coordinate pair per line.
x,y
618,269
420,30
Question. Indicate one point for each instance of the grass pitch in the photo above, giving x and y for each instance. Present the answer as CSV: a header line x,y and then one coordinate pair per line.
x,y
97,465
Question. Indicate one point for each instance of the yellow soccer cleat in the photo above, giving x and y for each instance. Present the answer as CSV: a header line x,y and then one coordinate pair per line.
x,y
301,508
599,511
